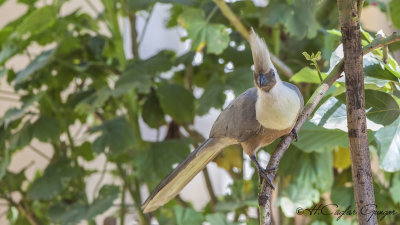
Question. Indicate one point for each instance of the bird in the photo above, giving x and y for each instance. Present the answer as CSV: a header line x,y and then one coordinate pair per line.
x,y
254,119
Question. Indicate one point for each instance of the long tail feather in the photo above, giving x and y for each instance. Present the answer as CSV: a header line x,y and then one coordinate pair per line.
x,y
184,172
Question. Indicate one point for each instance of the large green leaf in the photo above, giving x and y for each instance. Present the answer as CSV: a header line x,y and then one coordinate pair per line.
x,y
161,155
388,139
117,134
373,67
202,33
343,196
213,96
139,73
38,63
331,114
394,6
296,16
107,195
295,196
37,21
307,75
67,214
55,178
395,188
187,216
316,138
152,112
46,129
381,107
176,101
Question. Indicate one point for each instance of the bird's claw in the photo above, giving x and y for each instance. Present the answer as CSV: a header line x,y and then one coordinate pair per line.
x,y
263,175
294,133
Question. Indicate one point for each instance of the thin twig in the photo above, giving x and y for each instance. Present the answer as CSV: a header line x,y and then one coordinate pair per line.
x,y
145,25
265,197
37,151
238,25
102,175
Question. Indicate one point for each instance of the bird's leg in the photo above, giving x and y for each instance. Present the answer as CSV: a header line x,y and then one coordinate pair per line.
x,y
294,133
262,173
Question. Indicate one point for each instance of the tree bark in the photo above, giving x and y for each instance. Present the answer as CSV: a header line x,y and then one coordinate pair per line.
x,y
356,116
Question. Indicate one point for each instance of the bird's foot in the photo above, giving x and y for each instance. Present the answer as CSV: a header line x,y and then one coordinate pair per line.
x,y
295,135
263,174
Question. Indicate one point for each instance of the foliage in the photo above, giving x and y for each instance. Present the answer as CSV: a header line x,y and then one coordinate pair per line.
x,y
83,81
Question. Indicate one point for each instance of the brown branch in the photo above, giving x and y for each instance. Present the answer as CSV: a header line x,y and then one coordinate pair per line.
x,y
238,25
356,115
265,196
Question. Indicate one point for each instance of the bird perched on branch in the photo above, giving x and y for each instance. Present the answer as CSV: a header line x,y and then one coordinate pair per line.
x,y
254,119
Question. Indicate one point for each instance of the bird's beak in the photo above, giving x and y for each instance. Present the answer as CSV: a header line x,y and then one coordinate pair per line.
x,y
262,80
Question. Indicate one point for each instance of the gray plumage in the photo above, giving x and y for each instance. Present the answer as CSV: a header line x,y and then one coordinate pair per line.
x,y
250,120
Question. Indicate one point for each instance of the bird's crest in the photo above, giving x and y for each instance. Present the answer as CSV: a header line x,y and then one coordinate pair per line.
x,y
261,58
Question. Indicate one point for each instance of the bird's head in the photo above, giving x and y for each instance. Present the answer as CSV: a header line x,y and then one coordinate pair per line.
x,y
265,75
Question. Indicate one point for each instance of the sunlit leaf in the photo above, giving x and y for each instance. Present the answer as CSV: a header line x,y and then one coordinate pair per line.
x,y
307,75
388,139
187,216
341,158
202,33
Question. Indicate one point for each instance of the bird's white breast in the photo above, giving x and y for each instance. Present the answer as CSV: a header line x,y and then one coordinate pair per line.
x,y
278,108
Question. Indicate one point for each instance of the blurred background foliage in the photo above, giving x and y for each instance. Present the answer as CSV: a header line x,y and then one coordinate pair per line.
x,y
84,79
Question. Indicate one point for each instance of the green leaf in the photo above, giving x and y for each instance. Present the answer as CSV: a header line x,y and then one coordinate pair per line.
x,y
316,138
331,114
395,188
38,20
107,195
213,96
373,67
219,219
139,74
46,129
381,107
394,6
22,138
152,112
94,101
4,162
306,55
343,196
307,75
161,155
388,139
85,151
298,17
202,33
297,195
187,216
116,134
55,178
38,63
177,102
67,214
240,80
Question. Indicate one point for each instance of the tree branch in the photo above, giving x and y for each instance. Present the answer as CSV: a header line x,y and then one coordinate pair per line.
x,y
265,196
238,25
356,116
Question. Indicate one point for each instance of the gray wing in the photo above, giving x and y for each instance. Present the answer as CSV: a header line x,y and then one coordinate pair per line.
x,y
238,120
294,88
